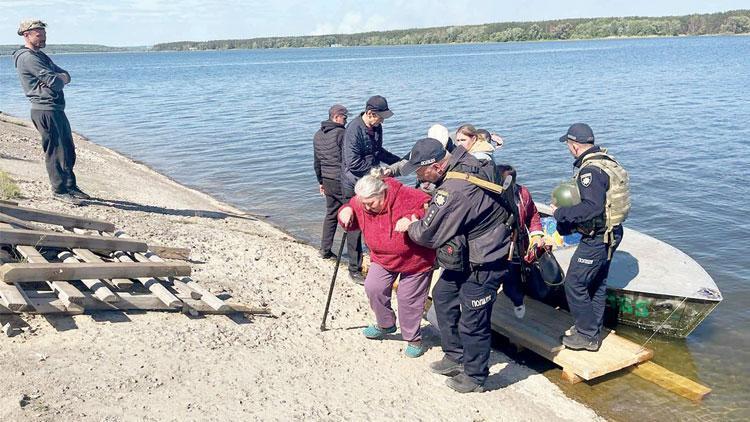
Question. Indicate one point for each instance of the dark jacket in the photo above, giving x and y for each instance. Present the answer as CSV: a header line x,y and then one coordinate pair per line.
x,y
362,150
593,183
327,144
464,210
39,79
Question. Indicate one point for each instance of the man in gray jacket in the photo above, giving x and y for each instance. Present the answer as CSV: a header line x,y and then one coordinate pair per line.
x,y
43,82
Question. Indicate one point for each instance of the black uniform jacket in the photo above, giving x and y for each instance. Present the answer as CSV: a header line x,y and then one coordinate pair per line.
x,y
592,185
462,209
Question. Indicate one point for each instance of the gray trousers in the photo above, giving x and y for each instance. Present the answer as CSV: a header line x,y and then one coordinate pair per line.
x,y
59,151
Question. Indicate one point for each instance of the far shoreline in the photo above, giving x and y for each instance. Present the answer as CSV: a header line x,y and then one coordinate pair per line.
x,y
150,50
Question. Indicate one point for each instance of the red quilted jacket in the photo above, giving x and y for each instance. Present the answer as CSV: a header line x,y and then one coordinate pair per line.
x,y
390,249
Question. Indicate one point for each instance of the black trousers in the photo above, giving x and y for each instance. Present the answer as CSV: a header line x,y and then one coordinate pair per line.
x,y
334,201
59,151
463,305
353,240
586,283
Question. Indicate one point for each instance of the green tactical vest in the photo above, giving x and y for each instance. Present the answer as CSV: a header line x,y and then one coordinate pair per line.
x,y
617,206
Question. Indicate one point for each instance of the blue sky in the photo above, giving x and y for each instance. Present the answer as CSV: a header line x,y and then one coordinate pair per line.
x,y
146,22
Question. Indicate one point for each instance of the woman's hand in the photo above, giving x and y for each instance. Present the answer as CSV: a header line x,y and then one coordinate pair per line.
x,y
346,215
403,223
537,242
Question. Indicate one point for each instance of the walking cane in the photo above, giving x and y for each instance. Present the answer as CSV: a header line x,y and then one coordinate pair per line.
x,y
333,282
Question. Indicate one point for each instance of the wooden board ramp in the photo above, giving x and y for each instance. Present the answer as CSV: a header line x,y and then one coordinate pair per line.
x,y
541,331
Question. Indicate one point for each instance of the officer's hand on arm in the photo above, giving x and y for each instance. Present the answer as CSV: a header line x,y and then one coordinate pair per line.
x,y
403,223
65,77
442,221
322,190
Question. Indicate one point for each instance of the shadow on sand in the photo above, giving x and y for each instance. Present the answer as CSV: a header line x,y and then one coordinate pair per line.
x,y
133,206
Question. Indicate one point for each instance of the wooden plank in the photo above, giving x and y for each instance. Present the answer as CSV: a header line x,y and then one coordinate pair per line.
x,y
7,202
18,272
541,331
71,297
170,252
13,298
99,287
669,380
64,240
201,292
46,304
87,256
570,377
5,218
153,284
48,217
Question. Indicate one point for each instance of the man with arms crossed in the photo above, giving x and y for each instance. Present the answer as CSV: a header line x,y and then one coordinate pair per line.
x,y
43,82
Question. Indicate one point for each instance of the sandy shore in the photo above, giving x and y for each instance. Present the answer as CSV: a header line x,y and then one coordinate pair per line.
x,y
161,366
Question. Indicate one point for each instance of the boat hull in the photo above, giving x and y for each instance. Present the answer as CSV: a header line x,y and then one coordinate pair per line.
x,y
650,282
671,316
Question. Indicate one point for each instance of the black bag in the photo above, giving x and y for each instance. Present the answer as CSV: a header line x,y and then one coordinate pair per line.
x,y
453,255
548,268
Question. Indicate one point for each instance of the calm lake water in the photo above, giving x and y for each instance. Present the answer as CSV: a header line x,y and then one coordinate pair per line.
x,y
239,125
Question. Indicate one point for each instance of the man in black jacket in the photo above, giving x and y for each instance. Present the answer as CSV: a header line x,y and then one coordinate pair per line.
x,y
362,151
327,144
469,227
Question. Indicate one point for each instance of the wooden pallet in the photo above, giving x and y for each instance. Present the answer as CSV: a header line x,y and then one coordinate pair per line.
x,y
89,268
541,331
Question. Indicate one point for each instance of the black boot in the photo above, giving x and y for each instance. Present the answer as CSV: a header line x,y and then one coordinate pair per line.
x,y
446,367
578,342
464,384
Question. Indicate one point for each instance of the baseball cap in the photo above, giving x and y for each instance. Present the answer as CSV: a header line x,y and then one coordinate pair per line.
x,y
337,110
425,152
29,24
579,132
379,105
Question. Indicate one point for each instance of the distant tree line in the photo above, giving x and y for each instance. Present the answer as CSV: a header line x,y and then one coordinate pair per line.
x,y
72,48
732,22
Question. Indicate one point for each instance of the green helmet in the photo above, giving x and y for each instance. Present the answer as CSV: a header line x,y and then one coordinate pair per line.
x,y
566,194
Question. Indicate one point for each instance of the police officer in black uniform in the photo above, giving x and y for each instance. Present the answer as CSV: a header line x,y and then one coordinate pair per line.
x,y
585,281
469,227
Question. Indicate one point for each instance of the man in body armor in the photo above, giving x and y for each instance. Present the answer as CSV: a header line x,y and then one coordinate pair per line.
x,y
469,227
604,204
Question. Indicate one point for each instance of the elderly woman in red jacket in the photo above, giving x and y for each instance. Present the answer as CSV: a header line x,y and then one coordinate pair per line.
x,y
379,203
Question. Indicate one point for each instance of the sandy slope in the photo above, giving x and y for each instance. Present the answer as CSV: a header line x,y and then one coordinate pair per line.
x,y
160,366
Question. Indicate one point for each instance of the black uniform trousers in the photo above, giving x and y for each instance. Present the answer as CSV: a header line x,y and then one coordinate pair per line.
x,y
353,240
586,282
334,201
463,305
57,144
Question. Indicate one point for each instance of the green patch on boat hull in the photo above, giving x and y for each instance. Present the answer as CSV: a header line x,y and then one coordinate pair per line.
x,y
648,311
